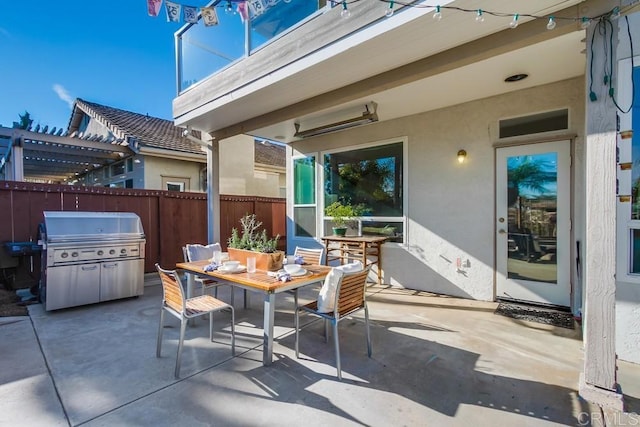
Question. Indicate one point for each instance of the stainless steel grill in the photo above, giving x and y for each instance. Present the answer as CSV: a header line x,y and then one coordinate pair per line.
x,y
91,257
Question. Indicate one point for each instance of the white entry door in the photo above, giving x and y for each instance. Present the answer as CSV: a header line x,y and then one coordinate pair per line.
x,y
533,248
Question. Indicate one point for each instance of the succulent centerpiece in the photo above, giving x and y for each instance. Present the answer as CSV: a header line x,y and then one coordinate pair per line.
x,y
251,241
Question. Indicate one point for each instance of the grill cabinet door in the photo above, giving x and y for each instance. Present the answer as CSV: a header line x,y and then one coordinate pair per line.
x,y
121,279
72,285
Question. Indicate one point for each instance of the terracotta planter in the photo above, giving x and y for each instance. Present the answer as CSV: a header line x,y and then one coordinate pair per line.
x,y
264,261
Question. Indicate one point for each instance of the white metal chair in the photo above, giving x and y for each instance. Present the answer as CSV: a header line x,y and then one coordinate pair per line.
x,y
349,299
174,301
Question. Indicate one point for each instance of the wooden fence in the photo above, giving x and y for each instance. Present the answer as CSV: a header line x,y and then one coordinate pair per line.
x,y
169,219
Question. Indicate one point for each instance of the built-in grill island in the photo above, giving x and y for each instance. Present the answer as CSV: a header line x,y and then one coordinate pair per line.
x,y
90,257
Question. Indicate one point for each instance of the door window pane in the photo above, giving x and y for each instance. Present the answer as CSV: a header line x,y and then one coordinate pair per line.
x,y
532,208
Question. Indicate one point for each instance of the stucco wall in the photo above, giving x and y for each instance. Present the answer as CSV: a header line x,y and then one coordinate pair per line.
x,y
451,206
237,174
157,167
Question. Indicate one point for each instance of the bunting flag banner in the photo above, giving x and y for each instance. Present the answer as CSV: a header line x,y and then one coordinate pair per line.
x,y
209,16
257,7
190,14
153,7
243,10
173,11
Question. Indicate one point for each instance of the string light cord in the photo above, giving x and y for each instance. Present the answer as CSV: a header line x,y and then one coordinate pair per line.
x,y
604,29
413,4
633,87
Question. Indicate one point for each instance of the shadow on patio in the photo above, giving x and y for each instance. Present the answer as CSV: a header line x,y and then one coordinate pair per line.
x,y
432,363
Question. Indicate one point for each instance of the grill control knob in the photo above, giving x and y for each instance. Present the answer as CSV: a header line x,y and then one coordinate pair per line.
x,y
100,253
64,255
74,254
123,251
112,252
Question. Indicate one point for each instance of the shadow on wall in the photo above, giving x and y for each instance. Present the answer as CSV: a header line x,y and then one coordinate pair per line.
x,y
412,263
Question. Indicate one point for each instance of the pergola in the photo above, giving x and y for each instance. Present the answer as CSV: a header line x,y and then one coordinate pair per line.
x,y
27,155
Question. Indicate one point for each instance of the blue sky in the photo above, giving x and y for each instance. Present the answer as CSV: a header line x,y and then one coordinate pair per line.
x,y
111,53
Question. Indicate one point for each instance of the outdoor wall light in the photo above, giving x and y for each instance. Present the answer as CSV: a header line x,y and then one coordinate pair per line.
x,y
462,155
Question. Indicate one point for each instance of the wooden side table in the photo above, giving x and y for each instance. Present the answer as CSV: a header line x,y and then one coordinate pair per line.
x,y
367,249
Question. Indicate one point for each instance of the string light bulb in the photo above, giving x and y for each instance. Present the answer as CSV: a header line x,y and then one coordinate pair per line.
x,y
345,13
389,10
551,24
514,21
479,17
437,16
615,13
585,22
228,9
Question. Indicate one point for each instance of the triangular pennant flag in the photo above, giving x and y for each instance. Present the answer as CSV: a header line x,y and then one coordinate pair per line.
x,y
209,16
153,7
173,11
243,10
190,14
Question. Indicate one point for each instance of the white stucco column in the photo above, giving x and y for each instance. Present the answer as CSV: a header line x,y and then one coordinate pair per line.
x,y
213,191
598,381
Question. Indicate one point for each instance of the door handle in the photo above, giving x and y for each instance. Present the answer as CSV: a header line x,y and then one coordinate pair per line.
x,y
502,231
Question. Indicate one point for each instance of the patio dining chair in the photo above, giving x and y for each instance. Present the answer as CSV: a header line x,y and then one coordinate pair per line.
x,y
197,252
174,301
309,256
349,298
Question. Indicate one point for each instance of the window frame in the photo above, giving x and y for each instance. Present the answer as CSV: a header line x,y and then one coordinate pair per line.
x,y
316,155
405,187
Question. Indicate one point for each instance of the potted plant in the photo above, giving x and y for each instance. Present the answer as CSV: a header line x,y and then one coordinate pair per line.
x,y
251,242
342,216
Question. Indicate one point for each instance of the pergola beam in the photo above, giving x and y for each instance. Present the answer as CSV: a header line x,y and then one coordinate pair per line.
x,y
45,156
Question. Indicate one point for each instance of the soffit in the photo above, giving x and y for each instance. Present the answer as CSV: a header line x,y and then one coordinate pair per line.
x,y
547,62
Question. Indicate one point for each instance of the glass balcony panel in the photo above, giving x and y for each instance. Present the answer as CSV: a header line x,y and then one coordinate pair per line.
x,y
206,50
203,51
276,16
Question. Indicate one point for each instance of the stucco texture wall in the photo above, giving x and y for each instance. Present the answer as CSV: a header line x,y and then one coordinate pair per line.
x,y
451,205
155,168
237,172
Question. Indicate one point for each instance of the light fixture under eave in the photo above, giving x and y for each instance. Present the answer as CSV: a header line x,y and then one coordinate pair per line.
x,y
462,155
367,116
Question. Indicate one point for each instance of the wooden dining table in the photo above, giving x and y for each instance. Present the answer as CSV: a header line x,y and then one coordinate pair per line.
x,y
262,282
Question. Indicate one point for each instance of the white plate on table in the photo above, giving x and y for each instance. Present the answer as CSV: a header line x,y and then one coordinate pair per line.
x,y
298,273
239,269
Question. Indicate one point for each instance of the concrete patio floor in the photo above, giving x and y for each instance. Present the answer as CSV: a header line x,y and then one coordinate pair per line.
x,y
436,361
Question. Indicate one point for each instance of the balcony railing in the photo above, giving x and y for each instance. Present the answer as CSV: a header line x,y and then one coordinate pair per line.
x,y
204,50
